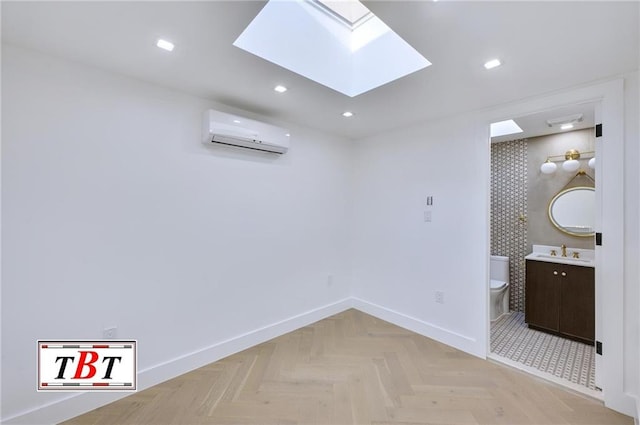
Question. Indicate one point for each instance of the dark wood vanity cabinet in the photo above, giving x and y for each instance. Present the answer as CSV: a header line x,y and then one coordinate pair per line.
x,y
560,299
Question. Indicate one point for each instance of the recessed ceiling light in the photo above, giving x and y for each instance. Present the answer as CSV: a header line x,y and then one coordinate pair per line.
x,y
280,89
347,114
492,63
567,126
164,44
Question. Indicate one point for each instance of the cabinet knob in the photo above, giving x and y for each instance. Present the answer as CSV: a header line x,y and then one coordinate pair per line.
x,y
555,273
564,273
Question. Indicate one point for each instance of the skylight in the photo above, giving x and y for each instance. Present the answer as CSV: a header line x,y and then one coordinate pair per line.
x,y
339,44
502,128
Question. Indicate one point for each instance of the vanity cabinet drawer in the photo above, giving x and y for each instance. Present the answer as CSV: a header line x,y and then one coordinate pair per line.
x,y
560,299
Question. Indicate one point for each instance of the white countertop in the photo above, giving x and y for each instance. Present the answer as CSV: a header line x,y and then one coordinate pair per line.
x,y
543,253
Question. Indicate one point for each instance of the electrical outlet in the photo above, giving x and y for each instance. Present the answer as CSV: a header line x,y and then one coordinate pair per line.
x,y
440,297
427,216
110,333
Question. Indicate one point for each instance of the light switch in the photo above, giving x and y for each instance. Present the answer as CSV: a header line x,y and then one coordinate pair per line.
x,y
429,200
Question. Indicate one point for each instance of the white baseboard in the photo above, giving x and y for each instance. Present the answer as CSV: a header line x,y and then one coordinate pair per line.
x,y
445,336
80,403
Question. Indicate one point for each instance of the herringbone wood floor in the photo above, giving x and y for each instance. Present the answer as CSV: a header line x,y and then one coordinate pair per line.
x,y
353,369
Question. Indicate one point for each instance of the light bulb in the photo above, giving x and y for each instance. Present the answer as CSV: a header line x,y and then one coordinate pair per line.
x,y
571,165
548,167
592,163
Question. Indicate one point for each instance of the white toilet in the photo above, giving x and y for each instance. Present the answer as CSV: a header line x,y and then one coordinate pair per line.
x,y
499,283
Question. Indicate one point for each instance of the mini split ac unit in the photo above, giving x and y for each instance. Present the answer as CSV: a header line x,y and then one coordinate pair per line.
x,y
233,130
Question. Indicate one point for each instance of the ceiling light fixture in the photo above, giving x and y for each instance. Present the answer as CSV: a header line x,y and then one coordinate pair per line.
x,y
561,121
280,89
493,63
347,114
570,164
165,45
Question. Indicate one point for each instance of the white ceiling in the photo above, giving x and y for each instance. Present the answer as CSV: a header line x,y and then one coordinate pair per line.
x,y
544,46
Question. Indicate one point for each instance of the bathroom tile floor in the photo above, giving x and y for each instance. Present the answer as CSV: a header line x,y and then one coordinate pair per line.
x,y
563,358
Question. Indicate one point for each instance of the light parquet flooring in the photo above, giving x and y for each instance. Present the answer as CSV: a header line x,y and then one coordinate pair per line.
x,y
352,368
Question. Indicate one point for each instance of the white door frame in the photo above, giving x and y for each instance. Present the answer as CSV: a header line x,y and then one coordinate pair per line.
x,y
609,222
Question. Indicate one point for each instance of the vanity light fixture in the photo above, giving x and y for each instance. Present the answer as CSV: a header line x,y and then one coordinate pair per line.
x,y
548,167
570,163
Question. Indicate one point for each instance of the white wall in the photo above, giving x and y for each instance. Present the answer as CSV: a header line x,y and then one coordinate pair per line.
x,y
114,213
400,260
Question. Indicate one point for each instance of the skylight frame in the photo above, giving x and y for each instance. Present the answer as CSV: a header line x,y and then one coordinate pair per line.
x,y
337,16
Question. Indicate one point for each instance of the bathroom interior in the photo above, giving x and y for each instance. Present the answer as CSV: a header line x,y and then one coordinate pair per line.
x,y
543,209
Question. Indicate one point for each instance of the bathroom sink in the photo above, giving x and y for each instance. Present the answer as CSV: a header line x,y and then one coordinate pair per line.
x,y
540,256
556,257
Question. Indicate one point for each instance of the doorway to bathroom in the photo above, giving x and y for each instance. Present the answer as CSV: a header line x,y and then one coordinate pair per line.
x,y
534,166
611,323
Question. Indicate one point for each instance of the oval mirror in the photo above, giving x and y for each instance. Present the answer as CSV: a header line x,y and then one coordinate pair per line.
x,y
572,211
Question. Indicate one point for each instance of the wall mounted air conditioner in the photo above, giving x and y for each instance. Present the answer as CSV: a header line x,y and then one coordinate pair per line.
x,y
234,130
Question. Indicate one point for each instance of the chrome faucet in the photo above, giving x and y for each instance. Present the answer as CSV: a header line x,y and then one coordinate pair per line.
x,y
564,250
